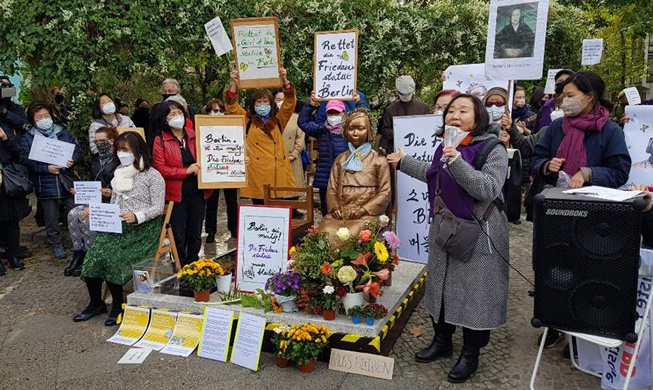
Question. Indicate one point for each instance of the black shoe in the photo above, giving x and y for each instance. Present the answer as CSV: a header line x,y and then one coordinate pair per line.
x,y
76,269
111,321
71,265
113,316
531,292
439,348
210,238
90,312
16,264
552,338
3,270
296,214
23,253
465,367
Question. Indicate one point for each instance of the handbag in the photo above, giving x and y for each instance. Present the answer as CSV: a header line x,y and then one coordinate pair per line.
x,y
15,180
306,159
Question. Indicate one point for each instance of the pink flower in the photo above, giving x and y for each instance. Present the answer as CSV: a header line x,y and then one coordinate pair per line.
x,y
383,274
365,235
392,239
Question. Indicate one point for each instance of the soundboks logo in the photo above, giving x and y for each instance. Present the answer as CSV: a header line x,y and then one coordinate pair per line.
x,y
567,213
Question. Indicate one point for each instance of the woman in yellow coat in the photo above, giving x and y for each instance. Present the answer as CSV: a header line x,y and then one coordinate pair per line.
x,y
269,162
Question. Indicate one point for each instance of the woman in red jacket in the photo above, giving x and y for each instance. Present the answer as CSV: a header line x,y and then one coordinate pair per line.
x,y
175,157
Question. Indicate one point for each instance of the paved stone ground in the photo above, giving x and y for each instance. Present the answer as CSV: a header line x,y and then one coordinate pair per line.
x,y
42,348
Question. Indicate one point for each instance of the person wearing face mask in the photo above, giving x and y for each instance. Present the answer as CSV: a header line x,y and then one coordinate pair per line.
x,y
50,183
78,223
454,294
171,87
520,111
359,182
269,161
105,113
175,156
138,189
330,135
547,109
62,112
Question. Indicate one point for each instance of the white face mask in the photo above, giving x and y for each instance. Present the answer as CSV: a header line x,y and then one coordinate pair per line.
x,y
439,119
334,120
279,104
557,114
177,122
109,109
126,158
44,123
217,113
406,98
495,113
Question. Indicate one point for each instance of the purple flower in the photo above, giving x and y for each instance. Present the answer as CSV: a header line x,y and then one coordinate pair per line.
x,y
284,283
392,239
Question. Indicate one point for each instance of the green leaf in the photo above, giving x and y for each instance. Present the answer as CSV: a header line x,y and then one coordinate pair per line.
x,y
251,300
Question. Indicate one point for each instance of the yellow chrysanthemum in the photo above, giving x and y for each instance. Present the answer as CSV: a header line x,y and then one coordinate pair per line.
x,y
292,250
381,252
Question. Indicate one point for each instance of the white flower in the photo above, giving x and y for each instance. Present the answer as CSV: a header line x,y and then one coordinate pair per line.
x,y
280,329
343,234
384,220
347,274
328,289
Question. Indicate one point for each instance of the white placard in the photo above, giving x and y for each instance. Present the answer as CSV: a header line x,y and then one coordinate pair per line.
x,y
216,334
639,140
263,244
632,94
133,325
51,151
218,36
135,356
359,363
158,334
592,51
249,338
105,217
515,39
416,135
87,192
186,336
470,78
222,154
335,65
257,51
550,87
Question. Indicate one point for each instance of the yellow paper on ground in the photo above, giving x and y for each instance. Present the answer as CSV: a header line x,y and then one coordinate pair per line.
x,y
133,325
162,326
186,336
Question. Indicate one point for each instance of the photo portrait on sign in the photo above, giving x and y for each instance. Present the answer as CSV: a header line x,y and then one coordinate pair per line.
x,y
515,31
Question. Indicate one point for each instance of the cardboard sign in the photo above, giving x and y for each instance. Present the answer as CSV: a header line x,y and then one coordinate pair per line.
x,y
51,151
263,244
162,325
249,339
133,325
218,36
416,135
138,130
258,57
550,87
470,78
335,64
105,217
87,192
216,334
220,143
632,95
366,364
515,39
592,51
186,335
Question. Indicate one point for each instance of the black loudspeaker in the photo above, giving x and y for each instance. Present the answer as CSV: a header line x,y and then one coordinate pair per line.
x,y
586,261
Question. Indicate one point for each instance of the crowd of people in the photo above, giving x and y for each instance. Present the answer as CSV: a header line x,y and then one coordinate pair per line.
x,y
573,136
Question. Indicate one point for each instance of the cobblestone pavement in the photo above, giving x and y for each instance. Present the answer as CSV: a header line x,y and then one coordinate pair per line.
x,y
41,348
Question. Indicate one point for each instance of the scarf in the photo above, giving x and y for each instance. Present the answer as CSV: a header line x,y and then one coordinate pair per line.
x,y
105,151
49,133
335,130
572,147
123,178
355,161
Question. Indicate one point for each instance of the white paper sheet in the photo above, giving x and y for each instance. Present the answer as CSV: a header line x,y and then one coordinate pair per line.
x,y
218,36
592,51
632,94
51,151
104,217
249,338
87,192
135,356
186,336
604,193
133,326
216,334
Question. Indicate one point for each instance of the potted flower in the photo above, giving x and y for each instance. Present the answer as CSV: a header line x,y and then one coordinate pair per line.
x,y
285,286
201,275
280,341
373,312
228,263
305,342
355,313
347,275
329,303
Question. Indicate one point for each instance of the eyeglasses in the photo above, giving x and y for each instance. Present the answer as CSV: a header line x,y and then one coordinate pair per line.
x,y
498,104
216,111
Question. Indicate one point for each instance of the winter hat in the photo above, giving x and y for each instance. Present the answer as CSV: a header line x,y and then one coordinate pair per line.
x,y
497,91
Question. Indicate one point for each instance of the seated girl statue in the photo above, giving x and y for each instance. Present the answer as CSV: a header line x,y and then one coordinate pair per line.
x,y
359,184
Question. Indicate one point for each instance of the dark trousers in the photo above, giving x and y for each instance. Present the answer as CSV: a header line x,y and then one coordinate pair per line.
x,y
258,201
51,217
186,222
10,237
475,339
231,199
323,203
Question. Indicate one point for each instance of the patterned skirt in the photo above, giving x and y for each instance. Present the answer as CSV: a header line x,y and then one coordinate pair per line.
x,y
112,256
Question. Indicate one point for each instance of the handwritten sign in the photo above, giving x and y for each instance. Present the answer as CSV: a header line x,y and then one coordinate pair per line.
x,y
221,151
162,325
257,52
138,130
263,243
550,86
132,327
632,95
249,339
592,51
416,135
366,364
218,36
335,63
105,217
216,334
87,192
186,335
51,151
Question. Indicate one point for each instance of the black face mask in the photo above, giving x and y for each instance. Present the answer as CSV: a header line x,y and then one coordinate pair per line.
x,y
167,95
559,87
58,99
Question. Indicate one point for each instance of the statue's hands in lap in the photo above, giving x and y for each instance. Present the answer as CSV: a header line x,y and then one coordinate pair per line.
x,y
356,213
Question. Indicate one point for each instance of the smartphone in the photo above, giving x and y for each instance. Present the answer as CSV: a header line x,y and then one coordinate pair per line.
x,y
7,92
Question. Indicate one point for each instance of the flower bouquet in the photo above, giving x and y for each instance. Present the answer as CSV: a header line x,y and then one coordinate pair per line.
x,y
285,286
201,275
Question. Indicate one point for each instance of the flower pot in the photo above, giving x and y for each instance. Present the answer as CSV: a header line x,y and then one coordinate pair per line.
x,y
329,315
287,303
224,283
307,367
388,282
281,362
202,296
352,299
369,320
356,319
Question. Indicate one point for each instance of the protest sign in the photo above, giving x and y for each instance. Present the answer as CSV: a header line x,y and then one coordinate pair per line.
x,y
263,244
51,151
87,192
470,78
335,64
133,325
186,335
416,135
218,36
138,130
515,39
638,132
632,95
220,143
216,334
550,86
359,363
258,57
592,51
249,339
105,217
162,325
